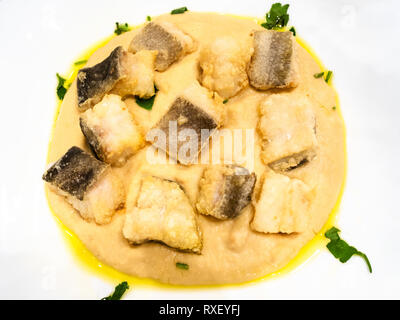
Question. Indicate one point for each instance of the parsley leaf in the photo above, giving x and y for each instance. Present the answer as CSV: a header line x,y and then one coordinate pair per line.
x,y
148,18
77,63
179,10
293,30
121,28
328,76
146,103
318,75
61,88
182,266
277,17
118,292
341,250
225,101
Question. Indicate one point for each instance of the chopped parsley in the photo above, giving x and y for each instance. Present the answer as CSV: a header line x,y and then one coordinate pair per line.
x,y
118,292
78,63
293,30
148,18
318,75
334,108
179,10
341,250
225,101
277,17
61,87
182,266
146,103
328,76
121,28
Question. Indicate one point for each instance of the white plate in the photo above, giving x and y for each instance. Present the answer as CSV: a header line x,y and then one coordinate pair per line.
x,y
358,40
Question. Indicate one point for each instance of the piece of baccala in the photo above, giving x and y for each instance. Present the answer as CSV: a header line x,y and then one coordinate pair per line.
x,y
225,190
163,213
274,63
121,72
288,130
283,205
189,122
88,184
170,42
223,66
111,131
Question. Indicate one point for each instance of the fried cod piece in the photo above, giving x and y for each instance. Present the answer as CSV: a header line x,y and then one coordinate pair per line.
x,y
287,128
170,42
274,62
194,114
225,190
163,213
223,65
87,184
283,205
111,131
122,71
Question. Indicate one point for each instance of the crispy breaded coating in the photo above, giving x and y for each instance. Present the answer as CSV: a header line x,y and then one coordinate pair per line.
x,y
283,205
223,66
287,128
111,130
163,213
274,62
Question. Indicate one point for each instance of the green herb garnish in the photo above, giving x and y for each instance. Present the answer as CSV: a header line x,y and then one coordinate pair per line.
x,y
341,250
147,103
61,88
121,28
293,30
328,76
182,266
225,101
179,10
277,17
77,63
148,18
318,75
334,108
118,292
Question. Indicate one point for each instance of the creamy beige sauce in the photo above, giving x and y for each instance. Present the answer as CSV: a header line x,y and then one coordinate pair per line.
x,y
232,252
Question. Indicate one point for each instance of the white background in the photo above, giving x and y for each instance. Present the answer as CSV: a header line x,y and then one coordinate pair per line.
x,y
358,40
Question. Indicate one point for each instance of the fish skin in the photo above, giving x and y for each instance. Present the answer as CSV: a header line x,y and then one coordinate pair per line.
x,y
94,82
75,172
154,37
274,62
197,119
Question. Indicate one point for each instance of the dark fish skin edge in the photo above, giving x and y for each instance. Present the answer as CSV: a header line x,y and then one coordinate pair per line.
x,y
197,119
238,192
75,172
94,82
91,139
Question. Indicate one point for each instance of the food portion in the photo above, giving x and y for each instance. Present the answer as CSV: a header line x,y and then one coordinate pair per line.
x,y
223,66
193,112
157,107
170,42
283,205
288,130
111,131
87,184
122,71
274,62
224,191
163,213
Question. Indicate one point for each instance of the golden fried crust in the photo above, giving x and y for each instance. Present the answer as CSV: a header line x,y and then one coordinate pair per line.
x,y
163,213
